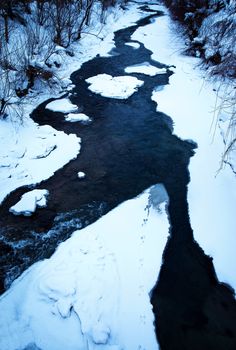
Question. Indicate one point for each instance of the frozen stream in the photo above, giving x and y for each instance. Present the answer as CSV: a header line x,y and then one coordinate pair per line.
x,y
126,148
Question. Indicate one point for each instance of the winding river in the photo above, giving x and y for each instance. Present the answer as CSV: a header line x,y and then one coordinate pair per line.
x,y
128,147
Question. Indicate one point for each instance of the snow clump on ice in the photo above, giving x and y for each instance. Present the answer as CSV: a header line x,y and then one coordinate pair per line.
x,y
145,68
29,202
64,106
120,87
77,117
81,175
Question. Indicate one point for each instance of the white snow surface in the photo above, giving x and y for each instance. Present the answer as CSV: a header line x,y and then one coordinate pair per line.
x,y
120,87
145,68
77,117
63,105
94,292
32,153
29,202
190,101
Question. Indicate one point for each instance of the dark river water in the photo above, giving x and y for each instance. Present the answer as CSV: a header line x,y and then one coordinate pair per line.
x,y
126,148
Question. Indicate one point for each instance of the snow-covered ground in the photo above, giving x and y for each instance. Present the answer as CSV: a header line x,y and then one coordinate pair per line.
x,y
190,101
120,87
31,153
93,293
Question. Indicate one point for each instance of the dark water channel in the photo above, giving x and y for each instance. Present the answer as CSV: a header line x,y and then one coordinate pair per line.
x,y
127,148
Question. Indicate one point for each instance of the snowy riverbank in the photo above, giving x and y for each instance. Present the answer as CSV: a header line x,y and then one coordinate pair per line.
x,y
93,293
189,100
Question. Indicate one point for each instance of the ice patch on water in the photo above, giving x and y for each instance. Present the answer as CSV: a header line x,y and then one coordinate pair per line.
x,y
63,105
120,87
78,117
29,202
145,68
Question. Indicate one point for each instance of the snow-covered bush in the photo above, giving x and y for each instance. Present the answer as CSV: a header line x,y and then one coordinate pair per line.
x,y
210,28
218,33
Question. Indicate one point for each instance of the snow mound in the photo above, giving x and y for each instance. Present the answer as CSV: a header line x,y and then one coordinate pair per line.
x,y
64,106
29,202
94,292
77,117
120,87
145,68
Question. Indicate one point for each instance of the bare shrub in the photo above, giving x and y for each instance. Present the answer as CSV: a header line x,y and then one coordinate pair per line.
x,y
68,19
10,104
225,114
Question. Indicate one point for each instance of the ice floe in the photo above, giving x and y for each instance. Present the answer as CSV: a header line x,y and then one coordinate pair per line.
x,y
29,202
63,105
77,117
81,175
145,68
120,87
